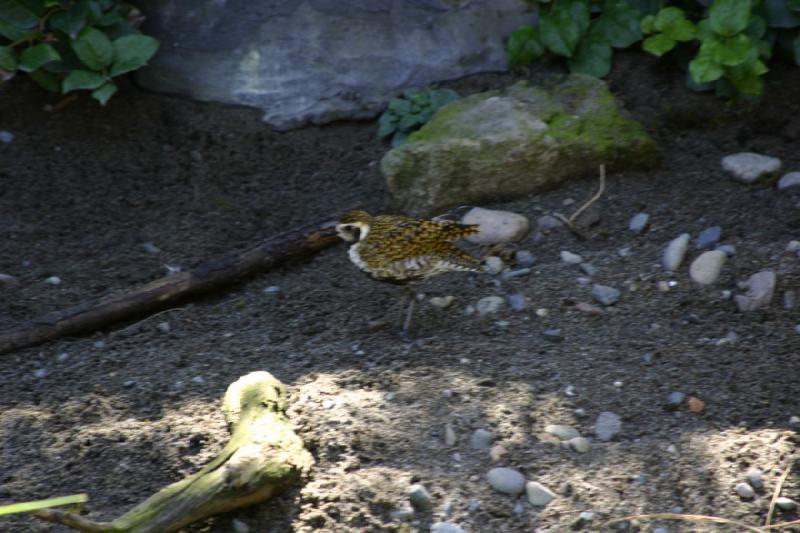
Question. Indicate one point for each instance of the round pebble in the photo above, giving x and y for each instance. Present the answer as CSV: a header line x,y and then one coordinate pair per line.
x,y
605,295
402,514
792,179
561,431
744,491
506,480
524,258
450,437
481,439
538,494
493,265
6,137
150,248
489,305
53,280
580,444
419,497
639,222
442,302
553,335
747,167
706,268
708,237
517,301
446,527
675,399
675,252
755,477
496,226
607,426
785,504
570,258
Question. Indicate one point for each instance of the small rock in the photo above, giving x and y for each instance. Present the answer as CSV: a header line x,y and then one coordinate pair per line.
x,y
792,179
794,421
588,269
695,405
497,452
793,247
53,280
747,167
538,494
6,137
496,226
99,344
163,327
542,312
489,305
785,504
675,400
675,251
760,289
706,268
605,295
624,252
744,491
506,480
61,357
561,431
239,526
40,373
607,426
403,514
727,249
450,438
580,444
585,307
517,301
639,222
481,439
789,299
150,248
446,527
493,265
419,497
327,403
524,258
200,380
7,280
755,477
442,302
570,258
548,223
272,289
708,237
518,273
553,334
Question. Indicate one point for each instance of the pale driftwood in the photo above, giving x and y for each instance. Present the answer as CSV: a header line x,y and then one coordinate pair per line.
x,y
263,456
168,291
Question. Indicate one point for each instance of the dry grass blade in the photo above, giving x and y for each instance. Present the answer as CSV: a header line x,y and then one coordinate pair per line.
x,y
777,493
688,518
781,526
570,222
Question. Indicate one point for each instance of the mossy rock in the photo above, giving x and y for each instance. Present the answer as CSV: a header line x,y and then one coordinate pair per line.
x,y
501,145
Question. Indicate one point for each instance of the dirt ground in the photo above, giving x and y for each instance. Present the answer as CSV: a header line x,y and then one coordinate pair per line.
x,y
120,413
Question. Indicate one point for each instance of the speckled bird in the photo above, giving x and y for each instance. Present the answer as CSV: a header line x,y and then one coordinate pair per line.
x,y
401,250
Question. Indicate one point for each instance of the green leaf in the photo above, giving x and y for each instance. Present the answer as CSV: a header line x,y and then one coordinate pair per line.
x,y
559,33
34,57
93,48
105,92
729,17
442,97
591,57
658,44
387,124
577,11
730,51
756,28
8,59
524,46
82,79
399,138
648,24
618,24
399,106
70,21
132,52
46,80
409,122
704,69
26,507
12,33
703,30
648,7
751,85
15,13
779,15
673,23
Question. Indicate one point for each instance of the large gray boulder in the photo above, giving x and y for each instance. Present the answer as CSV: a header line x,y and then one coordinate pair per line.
x,y
502,145
320,60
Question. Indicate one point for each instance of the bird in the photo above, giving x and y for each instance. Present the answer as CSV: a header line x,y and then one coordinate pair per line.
x,y
404,251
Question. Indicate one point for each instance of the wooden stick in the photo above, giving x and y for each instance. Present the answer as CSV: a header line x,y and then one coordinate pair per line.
x,y
263,455
167,291
777,493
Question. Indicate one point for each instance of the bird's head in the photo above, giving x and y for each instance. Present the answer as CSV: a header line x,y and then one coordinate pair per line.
x,y
354,226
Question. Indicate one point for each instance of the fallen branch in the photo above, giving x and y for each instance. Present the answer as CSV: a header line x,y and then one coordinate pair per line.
x,y
169,290
570,222
263,456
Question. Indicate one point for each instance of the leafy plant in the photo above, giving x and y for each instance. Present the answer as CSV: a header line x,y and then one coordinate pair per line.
x,y
70,45
410,111
724,44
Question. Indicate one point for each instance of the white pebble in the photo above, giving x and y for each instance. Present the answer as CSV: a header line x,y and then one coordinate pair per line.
x,y
446,527
785,504
747,167
328,403
745,491
793,247
450,437
496,226
638,222
506,480
580,444
792,179
538,494
607,426
760,289
150,248
481,439
561,431
755,477
570,258
675,252
53,280
163,327
40,373
442,302
706,268
489,305
239,526
493,265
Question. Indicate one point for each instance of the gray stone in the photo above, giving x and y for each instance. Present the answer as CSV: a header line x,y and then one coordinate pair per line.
x,y
708,237
792,179
150,248
493,265
760,289
607,426
548,223
675,399
588,269
524,258
511,274
755,477
496,226
321,60
442,302
239,526
402,514
727,249
747,167
446,527
517,301
675,252
639,222
605,295
561,431
705,269
164,327
53,280
506,480
419,497
538,494
570,258
745,491
8,281
6,137
793,247
507,144
489,305
580,444
789,299
450,437
481,439
553,334
785,504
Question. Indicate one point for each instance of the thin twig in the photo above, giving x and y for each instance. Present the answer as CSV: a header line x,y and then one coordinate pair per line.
x,y
777,493
686,517
781,526
140,322
570,222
